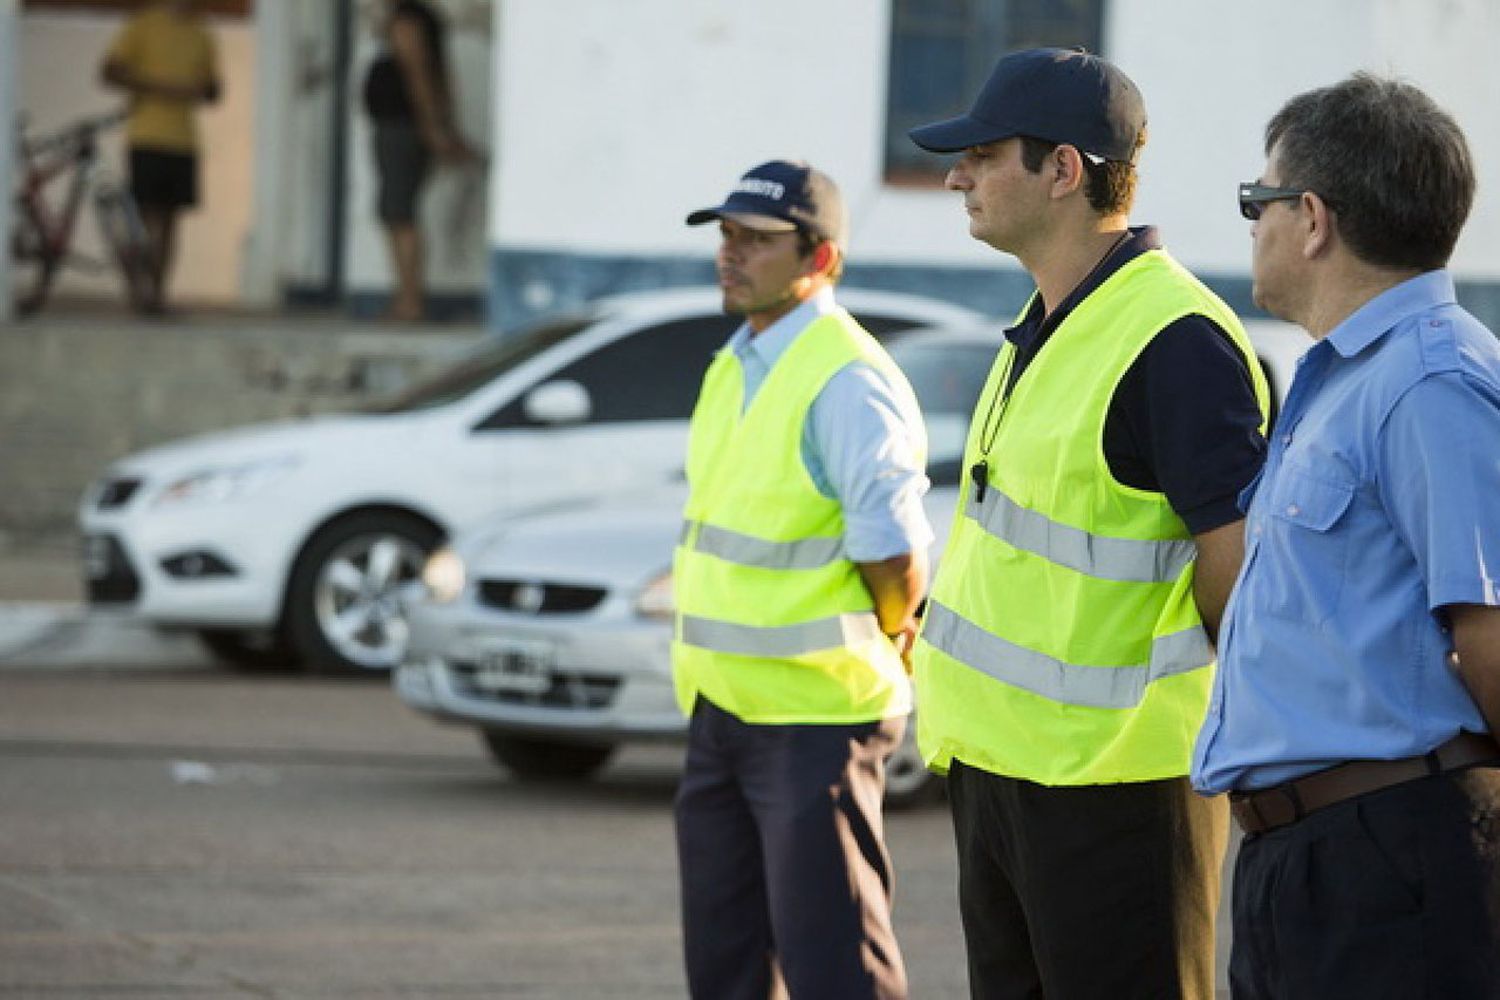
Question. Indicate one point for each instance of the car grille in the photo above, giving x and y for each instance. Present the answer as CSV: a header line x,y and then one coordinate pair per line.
x,y
585,691
108,575
539,598
116,493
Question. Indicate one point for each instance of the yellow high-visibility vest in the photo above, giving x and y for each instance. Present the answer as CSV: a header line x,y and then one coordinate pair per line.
x,y
774,623
1061,643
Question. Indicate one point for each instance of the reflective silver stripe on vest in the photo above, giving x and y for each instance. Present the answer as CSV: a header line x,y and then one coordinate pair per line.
x,y
747,550
1093,555
779,641
1093,687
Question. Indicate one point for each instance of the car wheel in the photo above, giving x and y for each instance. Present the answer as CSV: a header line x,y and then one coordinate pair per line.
x,y
344,611
531,759
255,649
908,783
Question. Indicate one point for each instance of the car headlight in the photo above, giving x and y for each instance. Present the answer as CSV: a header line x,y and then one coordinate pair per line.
x,y
443,575
227,482
656,599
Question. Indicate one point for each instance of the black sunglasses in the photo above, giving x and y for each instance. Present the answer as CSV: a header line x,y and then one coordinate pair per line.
x,y
1254,197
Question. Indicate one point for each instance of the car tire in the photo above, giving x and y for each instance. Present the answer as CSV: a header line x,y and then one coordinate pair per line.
x,y
344,611
908,782
251,649
531,759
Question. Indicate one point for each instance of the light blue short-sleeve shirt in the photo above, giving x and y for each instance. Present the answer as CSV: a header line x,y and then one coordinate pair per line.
x,y
859,443
1379,505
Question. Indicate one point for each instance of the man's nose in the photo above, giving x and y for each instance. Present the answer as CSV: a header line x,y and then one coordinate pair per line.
x,y
956,180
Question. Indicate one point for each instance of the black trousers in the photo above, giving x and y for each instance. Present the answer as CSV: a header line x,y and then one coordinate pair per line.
x,y
782,856
1390,894
1090,892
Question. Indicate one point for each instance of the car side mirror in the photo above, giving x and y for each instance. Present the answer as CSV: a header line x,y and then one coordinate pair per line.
x,y
556,403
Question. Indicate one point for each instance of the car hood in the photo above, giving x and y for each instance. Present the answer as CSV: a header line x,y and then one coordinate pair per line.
x,y
605,543
612,544
306,438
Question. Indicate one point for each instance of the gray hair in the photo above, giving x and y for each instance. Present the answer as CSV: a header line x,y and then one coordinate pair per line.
x,y
1393,165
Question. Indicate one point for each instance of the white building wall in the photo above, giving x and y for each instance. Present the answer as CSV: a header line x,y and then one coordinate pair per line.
x,y
210,251
617,118
1214,73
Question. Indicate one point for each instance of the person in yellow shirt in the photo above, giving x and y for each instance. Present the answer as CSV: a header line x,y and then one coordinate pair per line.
x,y
165,60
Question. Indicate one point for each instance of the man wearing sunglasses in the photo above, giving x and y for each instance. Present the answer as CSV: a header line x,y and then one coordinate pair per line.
x,y
1063,665
1360,658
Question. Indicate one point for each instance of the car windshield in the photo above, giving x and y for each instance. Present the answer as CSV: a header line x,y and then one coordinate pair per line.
x,y
483,365
947,378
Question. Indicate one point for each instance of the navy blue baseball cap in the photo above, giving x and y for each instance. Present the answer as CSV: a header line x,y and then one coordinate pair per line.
x,y
781,196
1064,96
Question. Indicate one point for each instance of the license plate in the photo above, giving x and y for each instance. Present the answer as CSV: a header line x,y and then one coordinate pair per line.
x,y
519,666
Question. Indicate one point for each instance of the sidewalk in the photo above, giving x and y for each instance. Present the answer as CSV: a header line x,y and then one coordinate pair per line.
x,y
45,623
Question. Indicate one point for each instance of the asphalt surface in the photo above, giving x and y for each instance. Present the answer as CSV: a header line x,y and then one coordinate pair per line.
x,y
143,892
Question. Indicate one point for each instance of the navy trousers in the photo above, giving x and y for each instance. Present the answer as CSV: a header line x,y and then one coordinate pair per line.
x,y
1094,891
1391,894
783,860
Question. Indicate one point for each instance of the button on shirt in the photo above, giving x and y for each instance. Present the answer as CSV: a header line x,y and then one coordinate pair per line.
x,y
1377,507
858,443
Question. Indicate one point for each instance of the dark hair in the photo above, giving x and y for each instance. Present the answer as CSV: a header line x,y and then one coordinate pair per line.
x,y
1394,166
807,243
1109,186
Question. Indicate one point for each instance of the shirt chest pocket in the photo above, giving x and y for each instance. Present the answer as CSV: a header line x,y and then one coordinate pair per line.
x,y
1309,544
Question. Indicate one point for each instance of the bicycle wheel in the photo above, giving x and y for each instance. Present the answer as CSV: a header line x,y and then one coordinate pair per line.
x,y
34,263
120,222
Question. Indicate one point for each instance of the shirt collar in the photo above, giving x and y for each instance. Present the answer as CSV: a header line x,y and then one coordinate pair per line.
x,y
1032,325
1381,314
772,342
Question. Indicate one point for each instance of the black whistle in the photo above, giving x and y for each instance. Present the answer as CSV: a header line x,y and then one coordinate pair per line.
x,y
980,473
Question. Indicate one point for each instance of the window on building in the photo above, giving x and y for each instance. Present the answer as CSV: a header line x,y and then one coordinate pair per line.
x,y
942,51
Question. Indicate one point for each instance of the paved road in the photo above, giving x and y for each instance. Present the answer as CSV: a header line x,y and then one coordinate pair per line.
x,y
196,833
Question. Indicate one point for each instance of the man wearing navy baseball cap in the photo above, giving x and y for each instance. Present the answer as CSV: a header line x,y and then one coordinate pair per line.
x,y
1065,656
801,563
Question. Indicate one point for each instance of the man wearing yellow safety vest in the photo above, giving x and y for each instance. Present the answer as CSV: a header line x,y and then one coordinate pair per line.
x,y
1064,662
802,560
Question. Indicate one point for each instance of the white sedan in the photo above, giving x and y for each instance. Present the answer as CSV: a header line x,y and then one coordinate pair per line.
x,y
292,541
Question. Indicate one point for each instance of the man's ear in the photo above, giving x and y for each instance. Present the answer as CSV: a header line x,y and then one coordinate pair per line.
x,y
1318,234
1066,164
822,258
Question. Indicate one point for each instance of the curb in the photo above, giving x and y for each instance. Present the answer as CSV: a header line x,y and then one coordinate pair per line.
x,y
57,634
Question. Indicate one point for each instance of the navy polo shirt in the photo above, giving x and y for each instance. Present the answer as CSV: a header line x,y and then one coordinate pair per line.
x,y
1184,420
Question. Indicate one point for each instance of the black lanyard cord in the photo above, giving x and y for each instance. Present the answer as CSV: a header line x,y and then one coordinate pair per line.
x,y
979,472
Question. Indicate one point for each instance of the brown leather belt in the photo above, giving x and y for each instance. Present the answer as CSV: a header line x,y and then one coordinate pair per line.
x,y
1288,802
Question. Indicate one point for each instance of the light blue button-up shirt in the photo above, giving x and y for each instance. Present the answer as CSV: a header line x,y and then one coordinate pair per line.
x,y
858,444
1378,505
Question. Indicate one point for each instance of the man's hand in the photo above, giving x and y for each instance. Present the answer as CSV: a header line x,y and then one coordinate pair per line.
x,y
904,641
897,586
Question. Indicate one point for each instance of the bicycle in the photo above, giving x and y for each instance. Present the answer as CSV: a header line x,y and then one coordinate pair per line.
x,y
42,236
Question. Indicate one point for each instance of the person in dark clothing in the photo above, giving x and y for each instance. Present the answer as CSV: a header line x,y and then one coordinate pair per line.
x,y
1066,651
408,94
